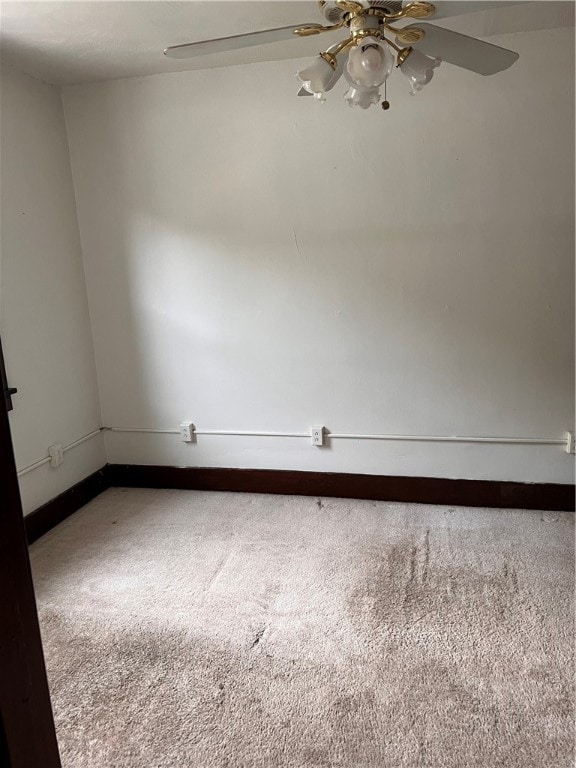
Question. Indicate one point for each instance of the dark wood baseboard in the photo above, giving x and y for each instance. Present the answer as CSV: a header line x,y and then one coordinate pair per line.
x,y
41,520
422,490
416,490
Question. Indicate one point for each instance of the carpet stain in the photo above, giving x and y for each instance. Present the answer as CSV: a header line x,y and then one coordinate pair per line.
x,y
402,587
163,684
258,637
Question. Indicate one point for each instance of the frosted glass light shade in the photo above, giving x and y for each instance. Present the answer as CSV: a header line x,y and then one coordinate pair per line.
x,y
362,97
369,63
318,77
419,69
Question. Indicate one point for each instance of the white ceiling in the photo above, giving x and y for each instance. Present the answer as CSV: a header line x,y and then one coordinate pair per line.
x,y
88,40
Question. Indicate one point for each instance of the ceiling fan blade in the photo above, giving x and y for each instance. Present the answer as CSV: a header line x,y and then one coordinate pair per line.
x,y
447,8
463,51
221,44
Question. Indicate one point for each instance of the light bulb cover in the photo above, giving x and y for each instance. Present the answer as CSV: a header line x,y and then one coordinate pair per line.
x,y
369,63
362,97
320,76
419,69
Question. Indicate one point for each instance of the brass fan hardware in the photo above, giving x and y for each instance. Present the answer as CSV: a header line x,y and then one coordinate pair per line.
x,y
408,36
403,54
307,31
355,11
349,7
420,10
331,59
316,29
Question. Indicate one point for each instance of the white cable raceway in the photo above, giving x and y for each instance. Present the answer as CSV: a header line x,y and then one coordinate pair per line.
x,y
564,441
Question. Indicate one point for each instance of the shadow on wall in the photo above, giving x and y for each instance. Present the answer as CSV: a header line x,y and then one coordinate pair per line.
x,y
244,260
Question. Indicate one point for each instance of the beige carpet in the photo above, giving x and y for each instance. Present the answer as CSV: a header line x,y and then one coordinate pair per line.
x,y
190,630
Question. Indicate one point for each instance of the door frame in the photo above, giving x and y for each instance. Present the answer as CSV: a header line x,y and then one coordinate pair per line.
x,y
27,733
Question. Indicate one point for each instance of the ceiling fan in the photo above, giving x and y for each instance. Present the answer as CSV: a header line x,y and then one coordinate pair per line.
x,y
374,44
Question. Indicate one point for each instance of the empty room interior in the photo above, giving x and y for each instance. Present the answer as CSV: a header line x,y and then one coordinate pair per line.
x,y
287,326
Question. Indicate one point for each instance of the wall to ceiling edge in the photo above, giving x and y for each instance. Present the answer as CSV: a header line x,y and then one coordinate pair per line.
x,y
260,262
44,319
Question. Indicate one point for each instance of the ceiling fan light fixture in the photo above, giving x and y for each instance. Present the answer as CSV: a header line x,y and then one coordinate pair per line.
x,y
368,54
419,69
369,63
319,77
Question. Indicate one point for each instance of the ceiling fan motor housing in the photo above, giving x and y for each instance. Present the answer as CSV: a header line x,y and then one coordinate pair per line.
x,y
360,26
334,12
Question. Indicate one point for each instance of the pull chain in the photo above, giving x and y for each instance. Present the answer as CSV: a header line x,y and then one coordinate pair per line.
x,y
385,103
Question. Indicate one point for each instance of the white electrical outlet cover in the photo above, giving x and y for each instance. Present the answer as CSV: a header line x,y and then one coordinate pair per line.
x,y
187,432
317,435
56,455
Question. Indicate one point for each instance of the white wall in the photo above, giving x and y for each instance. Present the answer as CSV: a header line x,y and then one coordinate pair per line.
x,y
257,261
44,317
